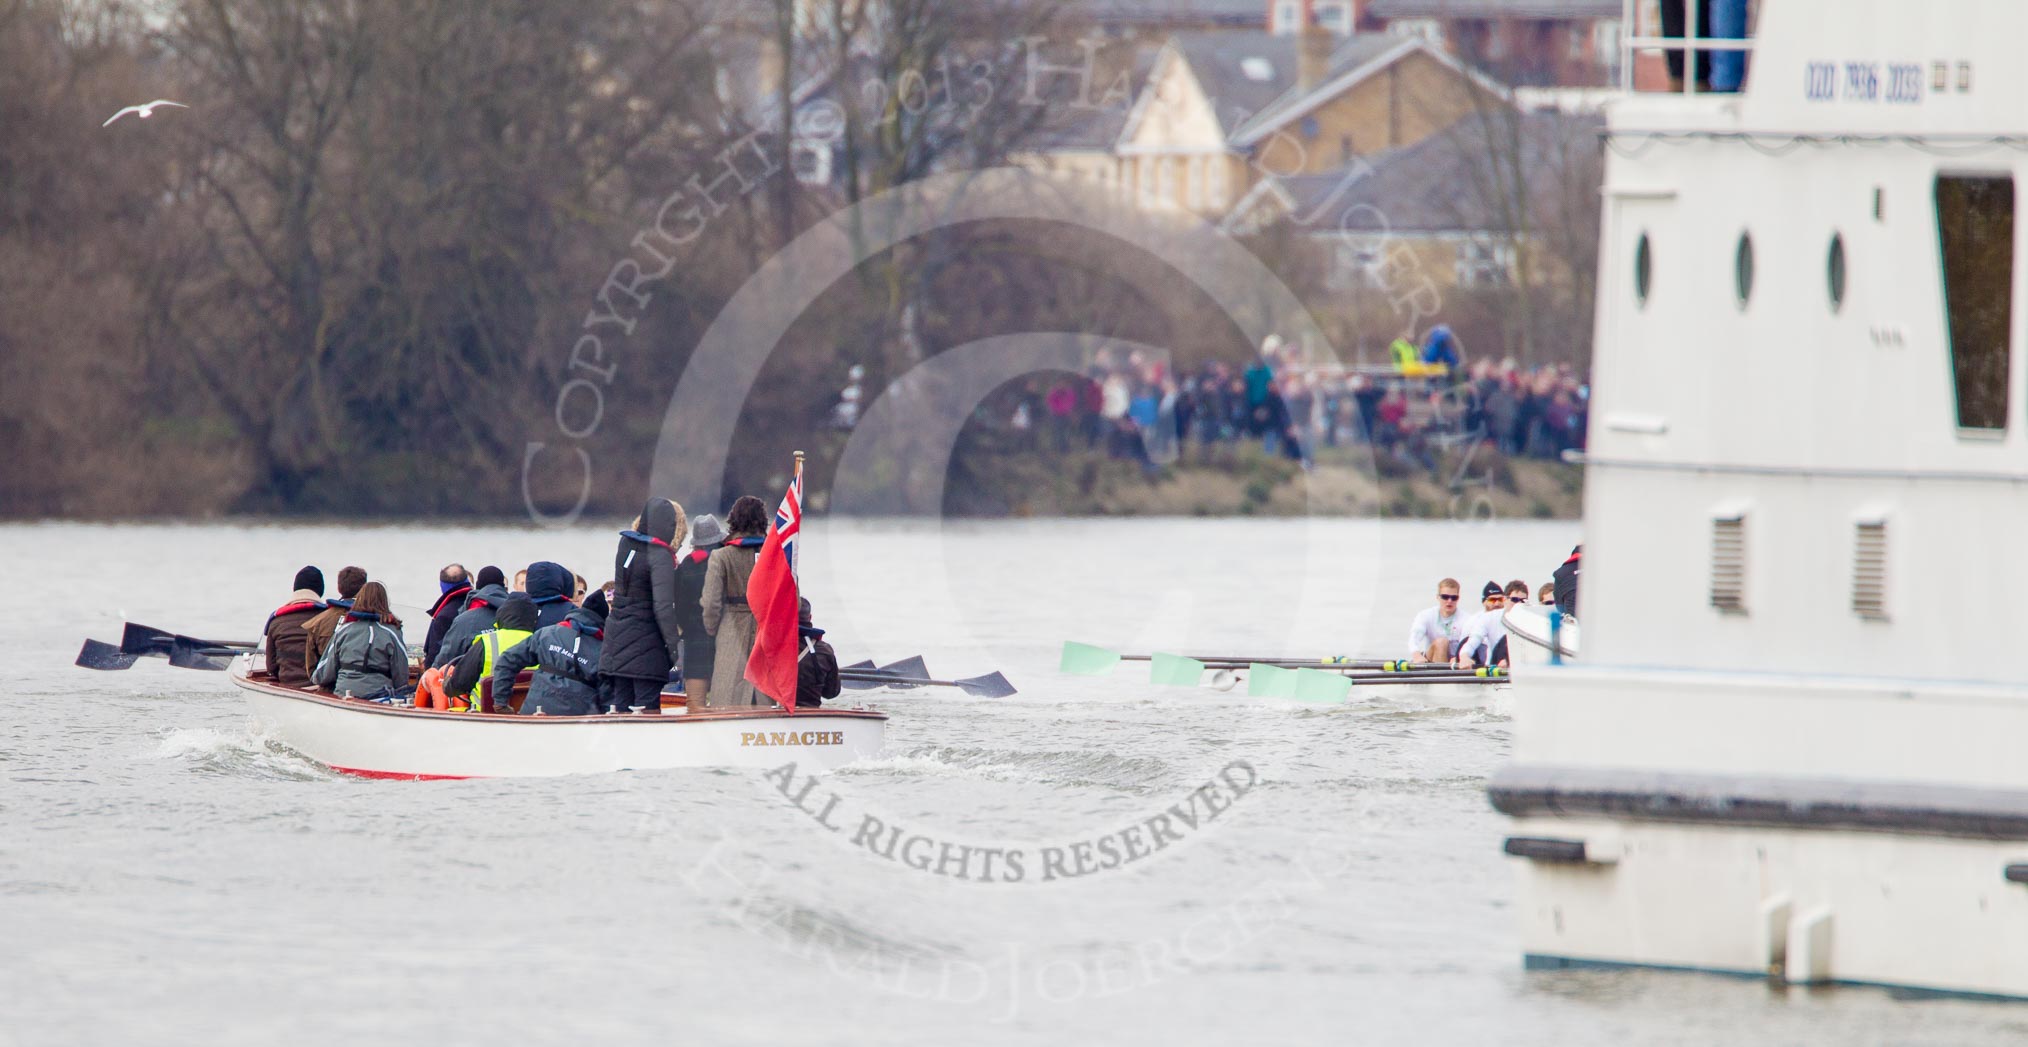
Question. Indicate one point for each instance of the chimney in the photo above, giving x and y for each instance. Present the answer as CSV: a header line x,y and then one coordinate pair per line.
x,y
1314,44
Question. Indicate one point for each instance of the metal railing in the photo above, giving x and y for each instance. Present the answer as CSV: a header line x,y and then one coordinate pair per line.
x,y
1691,44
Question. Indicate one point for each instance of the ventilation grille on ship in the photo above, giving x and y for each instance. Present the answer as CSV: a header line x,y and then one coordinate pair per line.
x,y
1728,564
1869,571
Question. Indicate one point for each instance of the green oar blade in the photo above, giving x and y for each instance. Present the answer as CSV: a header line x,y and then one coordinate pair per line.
x,y
1086,660
1174,670
1270,681
1317,685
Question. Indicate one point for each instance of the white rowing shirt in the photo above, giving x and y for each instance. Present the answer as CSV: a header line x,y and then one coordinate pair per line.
x,y
1429,626
1487,630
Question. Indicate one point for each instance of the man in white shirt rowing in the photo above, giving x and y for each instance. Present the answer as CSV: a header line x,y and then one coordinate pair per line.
x,y
1437,630
1485,641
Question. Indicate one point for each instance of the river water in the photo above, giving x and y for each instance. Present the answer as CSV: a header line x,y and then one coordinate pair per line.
x,y
168,874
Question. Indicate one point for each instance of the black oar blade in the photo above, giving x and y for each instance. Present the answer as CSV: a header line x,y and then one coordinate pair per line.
x,y
186,656
105,657
853,683
991,685
913,667
145,639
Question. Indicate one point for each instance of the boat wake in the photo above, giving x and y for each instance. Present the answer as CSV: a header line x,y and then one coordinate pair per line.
x,y
1101,769
242,754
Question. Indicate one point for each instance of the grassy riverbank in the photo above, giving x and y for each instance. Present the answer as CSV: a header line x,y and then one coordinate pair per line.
x,y
1243,481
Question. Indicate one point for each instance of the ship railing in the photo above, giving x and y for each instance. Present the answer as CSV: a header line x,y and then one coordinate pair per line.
x,y
1721,55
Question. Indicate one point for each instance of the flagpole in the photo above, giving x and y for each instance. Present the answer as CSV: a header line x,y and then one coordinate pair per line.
x,y
796,552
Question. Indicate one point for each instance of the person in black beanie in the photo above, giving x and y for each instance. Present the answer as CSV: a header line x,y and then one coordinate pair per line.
x,y
817,665
490,575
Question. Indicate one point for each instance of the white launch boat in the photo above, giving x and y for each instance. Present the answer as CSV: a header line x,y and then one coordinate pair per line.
x,y
380,741
1797,743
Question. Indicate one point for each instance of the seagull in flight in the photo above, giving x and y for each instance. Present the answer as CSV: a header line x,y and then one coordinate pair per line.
x,y
144,111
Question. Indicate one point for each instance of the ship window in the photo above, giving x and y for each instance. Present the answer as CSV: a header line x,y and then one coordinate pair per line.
x,y
1728,564
1975,230
1643,270
1834,271
1869,570
1742,269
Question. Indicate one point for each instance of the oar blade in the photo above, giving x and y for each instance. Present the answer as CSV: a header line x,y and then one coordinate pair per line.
x,y
912,667
1270,681
863,663
991,685
1318,685
186,656
105,657
1174,670
145,639
1083,659
853,683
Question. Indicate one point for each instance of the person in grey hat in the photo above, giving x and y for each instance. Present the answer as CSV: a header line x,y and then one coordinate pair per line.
x,y
700,649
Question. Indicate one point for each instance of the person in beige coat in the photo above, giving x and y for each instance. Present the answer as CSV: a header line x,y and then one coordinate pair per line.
x,y
726,614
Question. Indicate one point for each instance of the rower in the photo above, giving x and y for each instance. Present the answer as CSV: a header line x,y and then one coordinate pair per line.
x,y
1484,630
1434,636
1486,638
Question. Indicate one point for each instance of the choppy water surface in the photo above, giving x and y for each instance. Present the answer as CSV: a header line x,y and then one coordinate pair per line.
x,y
167,874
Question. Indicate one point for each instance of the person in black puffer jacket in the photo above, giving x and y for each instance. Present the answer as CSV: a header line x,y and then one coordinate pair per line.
x,y
550,587
481,608
565,657
643,631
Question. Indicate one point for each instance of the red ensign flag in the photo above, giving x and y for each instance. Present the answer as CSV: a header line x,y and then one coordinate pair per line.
x,y
771,593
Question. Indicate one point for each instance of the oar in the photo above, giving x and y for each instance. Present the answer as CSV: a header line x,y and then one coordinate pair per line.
x,y
991,685
105,657
146,639
1091,660
912,666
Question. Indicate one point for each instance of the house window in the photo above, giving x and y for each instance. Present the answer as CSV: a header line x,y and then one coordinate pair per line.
x,y
1975,230
1728,563
1310,127
1484,264
1286,16
1336,17
1422,28
811,162
1360,262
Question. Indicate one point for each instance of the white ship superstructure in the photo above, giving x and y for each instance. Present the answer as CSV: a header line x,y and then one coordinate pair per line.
x,y
1798,739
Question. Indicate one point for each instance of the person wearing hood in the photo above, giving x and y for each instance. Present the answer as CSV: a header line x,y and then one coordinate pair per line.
x,y
1566,582
284,636
817,665
318,630
565,657
367,658
643,630
549,589
480,608
516,623
700,649
454,585
726,615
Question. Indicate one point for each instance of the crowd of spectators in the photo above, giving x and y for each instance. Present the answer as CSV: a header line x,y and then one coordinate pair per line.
x,y
1140,409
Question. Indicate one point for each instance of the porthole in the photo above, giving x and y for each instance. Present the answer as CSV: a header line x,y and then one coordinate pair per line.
x,y
1742,269
1643,270
1834,271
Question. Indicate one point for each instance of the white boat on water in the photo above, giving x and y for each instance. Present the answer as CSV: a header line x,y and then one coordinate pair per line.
x,y
380,741
1796,745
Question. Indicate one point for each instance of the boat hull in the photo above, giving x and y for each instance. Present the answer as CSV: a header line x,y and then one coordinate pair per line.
x,y
393,742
